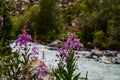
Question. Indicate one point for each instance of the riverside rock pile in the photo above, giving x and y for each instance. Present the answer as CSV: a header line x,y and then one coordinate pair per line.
x,y
106,56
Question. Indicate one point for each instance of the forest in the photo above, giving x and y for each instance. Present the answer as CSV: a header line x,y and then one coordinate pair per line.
x,y
95,22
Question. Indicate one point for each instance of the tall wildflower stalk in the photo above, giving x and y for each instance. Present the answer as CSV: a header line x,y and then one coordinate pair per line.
x,y
18,66
67,60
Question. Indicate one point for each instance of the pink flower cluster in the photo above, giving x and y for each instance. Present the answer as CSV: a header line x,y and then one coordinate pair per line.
x,y
34,53
41,71
23,39
72,43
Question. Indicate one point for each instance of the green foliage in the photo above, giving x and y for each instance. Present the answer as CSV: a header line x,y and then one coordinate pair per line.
x,y
114,45
99,39
95,16
11,63
18,23
85,34
68,15
5,31
13,67
65,71
44,19
48,17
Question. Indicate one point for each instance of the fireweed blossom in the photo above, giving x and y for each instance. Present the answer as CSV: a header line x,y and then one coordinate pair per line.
x,y
67,59
4,77
23,39
26,76
22,44
72,43
34,52
41,67
41,71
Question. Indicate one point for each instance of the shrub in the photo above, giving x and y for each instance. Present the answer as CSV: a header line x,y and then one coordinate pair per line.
x,y
99,39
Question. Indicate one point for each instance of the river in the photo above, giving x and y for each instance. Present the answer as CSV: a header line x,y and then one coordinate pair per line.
x,y
96,70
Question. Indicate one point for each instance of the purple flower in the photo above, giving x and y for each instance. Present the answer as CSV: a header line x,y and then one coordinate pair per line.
x,y
19,76
64,53
25,49
11,72
41,70
72,43
4,77
77,57
57,55
34,52
29,44
23,39
26,76
1,18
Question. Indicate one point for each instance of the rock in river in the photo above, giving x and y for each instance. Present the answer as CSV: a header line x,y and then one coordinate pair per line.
x,y
56,43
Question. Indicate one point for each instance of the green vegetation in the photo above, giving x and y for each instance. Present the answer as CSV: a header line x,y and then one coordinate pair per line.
x,y
5,28
43,18
94,17
91,18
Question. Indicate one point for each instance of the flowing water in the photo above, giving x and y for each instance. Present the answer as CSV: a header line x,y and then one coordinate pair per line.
x,y
96,70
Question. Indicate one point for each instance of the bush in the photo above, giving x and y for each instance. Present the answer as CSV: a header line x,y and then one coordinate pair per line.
x,y
99,39
114,45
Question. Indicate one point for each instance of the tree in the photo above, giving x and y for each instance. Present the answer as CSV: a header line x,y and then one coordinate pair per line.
x,y
48,19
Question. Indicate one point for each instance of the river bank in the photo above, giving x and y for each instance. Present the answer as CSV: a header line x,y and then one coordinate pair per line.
x,y
102,56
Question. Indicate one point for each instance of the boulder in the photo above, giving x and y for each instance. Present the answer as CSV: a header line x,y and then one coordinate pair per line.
x,y
118,55
56,43
96,52
110,53
81,45
116,60
107,62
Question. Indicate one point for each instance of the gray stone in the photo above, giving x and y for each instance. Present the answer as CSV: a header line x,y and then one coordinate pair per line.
x,y
56,43
96,52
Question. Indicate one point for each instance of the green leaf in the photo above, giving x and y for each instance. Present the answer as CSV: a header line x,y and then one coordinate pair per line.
x,y
76,77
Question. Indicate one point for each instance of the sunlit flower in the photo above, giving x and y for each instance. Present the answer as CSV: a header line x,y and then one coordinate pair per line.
x,y
4,77
72,43
34,52
23,39
11,72
41,70
26,76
